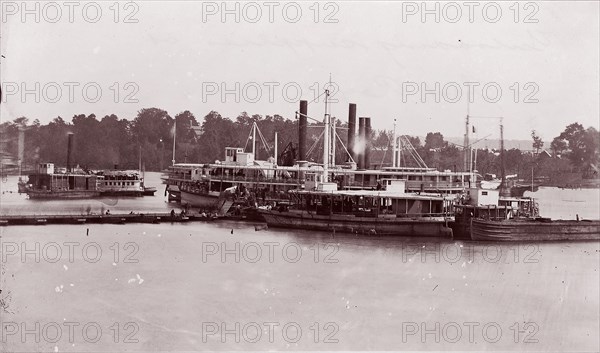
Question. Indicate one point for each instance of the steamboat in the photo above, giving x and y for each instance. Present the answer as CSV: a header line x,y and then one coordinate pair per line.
x,y
50,183
202,185
388,211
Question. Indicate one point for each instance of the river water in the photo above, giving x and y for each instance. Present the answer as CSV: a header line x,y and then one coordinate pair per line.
x,y
228,286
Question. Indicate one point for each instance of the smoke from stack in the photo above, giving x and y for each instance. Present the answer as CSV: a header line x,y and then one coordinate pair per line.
x,y
360,144
302,127
69,150
352,130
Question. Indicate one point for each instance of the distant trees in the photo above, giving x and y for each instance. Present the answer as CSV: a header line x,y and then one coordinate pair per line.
x,y
537,142
435,141
111,140
578,144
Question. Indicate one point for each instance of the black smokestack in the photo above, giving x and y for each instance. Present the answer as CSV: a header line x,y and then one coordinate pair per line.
x,y
352,130
69,150
360,152
302,127
367,142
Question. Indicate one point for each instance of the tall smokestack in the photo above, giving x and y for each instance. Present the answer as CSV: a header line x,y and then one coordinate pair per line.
x,y
360,151
302,127
69,150
352,130
368,143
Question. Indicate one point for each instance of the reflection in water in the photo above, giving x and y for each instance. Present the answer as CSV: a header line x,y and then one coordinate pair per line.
x,y
174,282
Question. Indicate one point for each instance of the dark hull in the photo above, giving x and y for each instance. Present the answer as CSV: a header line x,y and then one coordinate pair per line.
x,y
421,227
69,194
129,193
149,191
100,219
534,230
199,200
79,194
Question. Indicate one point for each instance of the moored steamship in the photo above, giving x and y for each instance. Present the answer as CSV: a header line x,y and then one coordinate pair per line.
x,y
388,211
201,185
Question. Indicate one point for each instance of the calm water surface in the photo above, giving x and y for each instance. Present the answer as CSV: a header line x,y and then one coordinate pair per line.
x,y
236,286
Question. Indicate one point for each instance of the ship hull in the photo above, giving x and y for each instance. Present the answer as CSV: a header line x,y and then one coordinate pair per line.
x,y
534,230
125,193
72,194
198,200
419,227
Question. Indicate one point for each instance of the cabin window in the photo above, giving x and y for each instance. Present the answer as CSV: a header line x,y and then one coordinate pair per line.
x,y
484,193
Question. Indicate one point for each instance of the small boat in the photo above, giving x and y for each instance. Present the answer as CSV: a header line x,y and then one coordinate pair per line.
x,y
149,191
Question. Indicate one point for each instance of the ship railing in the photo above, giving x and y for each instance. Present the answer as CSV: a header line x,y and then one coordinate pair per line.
x,y
412,184
262,180
373,213
431,215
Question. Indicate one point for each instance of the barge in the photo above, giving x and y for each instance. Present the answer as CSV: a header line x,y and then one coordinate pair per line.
x,y
484,215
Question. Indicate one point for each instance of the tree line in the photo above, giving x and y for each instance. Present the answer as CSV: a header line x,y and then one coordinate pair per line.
x,y
110,141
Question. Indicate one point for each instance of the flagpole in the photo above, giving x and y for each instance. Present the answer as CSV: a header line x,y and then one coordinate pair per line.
x,y
174,136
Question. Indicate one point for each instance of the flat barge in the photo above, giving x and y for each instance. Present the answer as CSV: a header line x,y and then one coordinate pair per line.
x,y
102,219
540,229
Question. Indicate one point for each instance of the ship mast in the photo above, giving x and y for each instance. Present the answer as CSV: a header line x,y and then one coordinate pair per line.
x,y
254,139
174,136
394,148
140,159
502,172
467,147
326,138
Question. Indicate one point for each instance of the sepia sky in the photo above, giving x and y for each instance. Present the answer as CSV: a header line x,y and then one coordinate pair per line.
x,y
540,73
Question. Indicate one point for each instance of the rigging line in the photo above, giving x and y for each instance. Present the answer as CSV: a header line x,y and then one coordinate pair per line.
x,y
383,158
418,157
414,153
342,143
264,141
481,139
315,143
316,98
386,149
420,160
248,139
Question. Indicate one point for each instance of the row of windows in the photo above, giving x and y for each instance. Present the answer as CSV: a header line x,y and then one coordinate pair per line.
x,y
115,183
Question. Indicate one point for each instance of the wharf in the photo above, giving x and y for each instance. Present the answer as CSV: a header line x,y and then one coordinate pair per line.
x,y
101,219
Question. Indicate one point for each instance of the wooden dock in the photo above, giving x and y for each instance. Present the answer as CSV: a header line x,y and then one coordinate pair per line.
x,y
101,219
